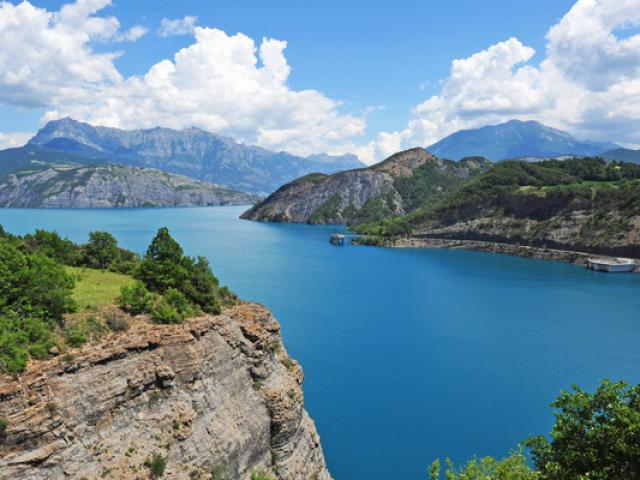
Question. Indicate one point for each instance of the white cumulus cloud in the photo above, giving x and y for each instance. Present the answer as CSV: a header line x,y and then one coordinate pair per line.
x,y
179,26
588,82
228,84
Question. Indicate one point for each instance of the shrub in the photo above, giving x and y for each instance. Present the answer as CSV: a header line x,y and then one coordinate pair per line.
x,y
596,435
3,426
117,323
165,313
156,464
135,299
513,467
261,475
74,336
218,472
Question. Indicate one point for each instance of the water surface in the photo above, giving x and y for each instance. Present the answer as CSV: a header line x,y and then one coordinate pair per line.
x,y
408,354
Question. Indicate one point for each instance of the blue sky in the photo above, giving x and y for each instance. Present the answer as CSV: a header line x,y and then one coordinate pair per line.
x,y
379,63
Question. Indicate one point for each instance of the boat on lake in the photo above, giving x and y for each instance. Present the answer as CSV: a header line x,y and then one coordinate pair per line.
x,y
337,239
613,265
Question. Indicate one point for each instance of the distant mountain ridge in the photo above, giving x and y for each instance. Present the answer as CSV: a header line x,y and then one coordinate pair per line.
x,y
192,152
110,186
622,155
515,139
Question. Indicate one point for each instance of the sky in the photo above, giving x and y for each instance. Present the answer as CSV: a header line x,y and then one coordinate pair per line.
x,y
356,76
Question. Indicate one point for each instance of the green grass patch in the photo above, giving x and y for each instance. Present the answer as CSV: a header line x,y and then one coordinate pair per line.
x,y
96,287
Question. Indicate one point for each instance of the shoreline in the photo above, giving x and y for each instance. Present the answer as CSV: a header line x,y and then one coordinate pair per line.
x,y
566,256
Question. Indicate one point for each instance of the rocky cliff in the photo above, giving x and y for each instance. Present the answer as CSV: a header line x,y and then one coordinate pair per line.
x,y
215,394
390,188
73,186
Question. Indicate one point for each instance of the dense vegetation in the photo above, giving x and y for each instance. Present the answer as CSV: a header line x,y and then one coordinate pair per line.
x,y
44,278
596,437
614,185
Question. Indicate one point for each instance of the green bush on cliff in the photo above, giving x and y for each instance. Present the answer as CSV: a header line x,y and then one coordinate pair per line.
x,y
135,299
35,292
156,464
165,267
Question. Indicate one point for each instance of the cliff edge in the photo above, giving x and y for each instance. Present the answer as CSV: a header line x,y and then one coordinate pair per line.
x,y
215,397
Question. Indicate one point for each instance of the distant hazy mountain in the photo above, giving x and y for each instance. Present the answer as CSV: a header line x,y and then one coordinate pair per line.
x,y
515,139
109,186
622,155
191,152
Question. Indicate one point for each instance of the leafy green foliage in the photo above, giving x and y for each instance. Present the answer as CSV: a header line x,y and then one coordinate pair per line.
x,y
74,336
328,211
513,467
260,475
52,245
596,435
101,251
35,292
165,267
156,464
135,298
606,186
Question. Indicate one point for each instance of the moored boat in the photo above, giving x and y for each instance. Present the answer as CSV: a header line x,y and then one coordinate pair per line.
x,y
613,265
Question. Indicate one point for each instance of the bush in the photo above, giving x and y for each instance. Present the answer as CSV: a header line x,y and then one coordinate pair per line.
x,y
218,472
117,323
135,299
74,336
260,475
156,465
3,426
35,292
165,267
596,436
165,313
513,467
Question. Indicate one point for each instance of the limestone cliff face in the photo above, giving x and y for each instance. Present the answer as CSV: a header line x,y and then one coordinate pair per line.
x,y
339,198
214,392
108,186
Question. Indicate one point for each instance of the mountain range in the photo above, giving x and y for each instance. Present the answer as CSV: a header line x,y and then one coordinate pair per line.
x,y
192,152
516,139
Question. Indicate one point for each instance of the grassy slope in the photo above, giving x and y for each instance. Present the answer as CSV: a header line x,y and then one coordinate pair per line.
x,y
96,287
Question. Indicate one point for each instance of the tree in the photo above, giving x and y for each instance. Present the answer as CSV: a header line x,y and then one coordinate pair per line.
x,y
596,436
165,267
35,292
513,467
102,250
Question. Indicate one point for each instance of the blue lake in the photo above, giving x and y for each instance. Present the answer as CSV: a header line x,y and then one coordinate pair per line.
x,y
409,354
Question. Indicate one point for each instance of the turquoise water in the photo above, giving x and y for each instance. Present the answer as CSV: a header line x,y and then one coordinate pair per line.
x,y
408,354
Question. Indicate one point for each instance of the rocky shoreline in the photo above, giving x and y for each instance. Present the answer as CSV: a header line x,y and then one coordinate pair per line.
x,y
567,256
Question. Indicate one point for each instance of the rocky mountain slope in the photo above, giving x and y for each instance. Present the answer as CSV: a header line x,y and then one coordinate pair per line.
x,y
515,139
581,204
91,186
191,152
392,187
215,394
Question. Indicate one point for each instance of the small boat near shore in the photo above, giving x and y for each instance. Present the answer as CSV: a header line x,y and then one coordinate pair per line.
x,y
612,265
337,239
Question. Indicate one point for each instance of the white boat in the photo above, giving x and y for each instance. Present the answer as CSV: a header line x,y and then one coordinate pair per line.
x,y
613,265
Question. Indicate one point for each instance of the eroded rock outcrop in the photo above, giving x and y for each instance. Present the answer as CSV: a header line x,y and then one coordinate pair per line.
x,y
218,392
